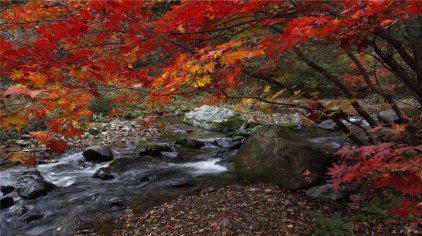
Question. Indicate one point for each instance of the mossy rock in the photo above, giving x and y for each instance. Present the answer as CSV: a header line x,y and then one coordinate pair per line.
x,y
280,156
146,148
252,125
190,143
243,133
94,129
289,126
231,124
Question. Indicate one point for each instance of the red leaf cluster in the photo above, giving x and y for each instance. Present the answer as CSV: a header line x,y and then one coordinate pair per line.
x,y
391,165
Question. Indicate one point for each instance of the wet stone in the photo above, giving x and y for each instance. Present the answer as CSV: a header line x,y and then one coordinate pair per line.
x,y
35,188
7,189
103,173
6,202
33,217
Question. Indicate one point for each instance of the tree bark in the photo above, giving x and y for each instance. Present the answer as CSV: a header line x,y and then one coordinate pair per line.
x,y
387,97
339,85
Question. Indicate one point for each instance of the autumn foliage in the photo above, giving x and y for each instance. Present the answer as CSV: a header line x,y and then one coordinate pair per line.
x,y
383,165
58,55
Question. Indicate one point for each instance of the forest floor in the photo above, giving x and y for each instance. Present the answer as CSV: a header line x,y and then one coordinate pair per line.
x,y
259,209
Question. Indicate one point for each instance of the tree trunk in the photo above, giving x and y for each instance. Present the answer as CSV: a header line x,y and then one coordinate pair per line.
x,y
339,85
387,97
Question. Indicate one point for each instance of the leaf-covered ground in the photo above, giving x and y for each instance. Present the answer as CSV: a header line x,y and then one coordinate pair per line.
x,y
252,209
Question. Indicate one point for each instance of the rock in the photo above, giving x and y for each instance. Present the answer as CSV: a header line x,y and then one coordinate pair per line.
x,y
184,182
297,122
169,154
98,154
277,155
179,131
190,143
151,149
328,125
35,188
213,118
235,145
7,189
388,116
225,222
242,133
228,157
94,129
23,143
46,161
103,173
21,210
326,192
356,198
33,217
222,142
6,202
126,128
116,202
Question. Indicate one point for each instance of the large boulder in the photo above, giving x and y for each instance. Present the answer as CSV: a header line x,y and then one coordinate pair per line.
x,y
214,118
277,155
35,188
98,154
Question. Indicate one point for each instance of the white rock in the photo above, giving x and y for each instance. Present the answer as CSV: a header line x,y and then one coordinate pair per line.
x,y
205,115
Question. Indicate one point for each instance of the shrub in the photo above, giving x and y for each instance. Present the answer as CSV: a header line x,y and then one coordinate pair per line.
x,y
396,166
335,225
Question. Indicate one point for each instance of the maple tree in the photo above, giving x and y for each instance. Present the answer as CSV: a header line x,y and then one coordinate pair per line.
x,y
60,54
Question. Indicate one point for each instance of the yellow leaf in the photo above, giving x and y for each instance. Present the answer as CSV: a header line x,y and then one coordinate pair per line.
x,y
267,88
202,81
306,121
248,101
17,74
23,158
209,67
181,29
297,92
13,120
290,226
278,94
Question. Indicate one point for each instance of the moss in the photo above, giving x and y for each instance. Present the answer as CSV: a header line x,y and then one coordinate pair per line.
x,y
94,129
252,125
133,114
239,133
150,149
289,126
231,124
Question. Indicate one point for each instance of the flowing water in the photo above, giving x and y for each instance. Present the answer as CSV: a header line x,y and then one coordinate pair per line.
x,y
82,202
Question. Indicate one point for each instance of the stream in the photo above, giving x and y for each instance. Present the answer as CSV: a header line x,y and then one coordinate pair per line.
x,y
80,202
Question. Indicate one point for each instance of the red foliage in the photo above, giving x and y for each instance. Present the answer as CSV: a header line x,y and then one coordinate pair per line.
x,y
391,165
